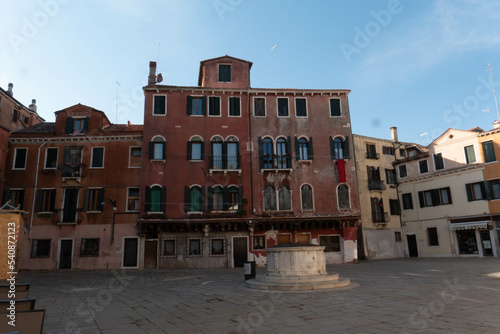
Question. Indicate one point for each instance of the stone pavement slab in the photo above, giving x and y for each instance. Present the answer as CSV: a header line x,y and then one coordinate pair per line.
x,y
453,295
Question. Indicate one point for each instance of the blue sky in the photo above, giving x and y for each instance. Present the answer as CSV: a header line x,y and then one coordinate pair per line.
x,y
417,65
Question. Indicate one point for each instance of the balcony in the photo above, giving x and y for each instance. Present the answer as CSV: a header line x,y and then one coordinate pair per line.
x,y
376,185
372,155
380,217
277,162
225,163
68,171
67,216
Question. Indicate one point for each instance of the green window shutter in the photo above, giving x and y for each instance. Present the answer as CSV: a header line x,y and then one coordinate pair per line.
x,y
210,199
297,151
86,200
204,105
421,199
240,198
225,199
468,187
346,148
52,199
163,199
100,199
189,150
39,198
332,149
147,199
203,197
85,125
189,105
69,125
487,190
310,149
261,153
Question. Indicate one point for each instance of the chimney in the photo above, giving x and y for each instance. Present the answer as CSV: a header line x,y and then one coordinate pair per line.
x,y
152,73
32,106
496,125
9,91
394,134
128,123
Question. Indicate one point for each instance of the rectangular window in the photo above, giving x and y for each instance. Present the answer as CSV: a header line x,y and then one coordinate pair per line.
x,y
423,166
495,189
224,73
388,150
197,106
476,191
335,108
45,200
93,199
40,248
432,236
259,107
435,197
438,161
194,247
169,247
489,151
16,197
159,105
72,161
217,247
331,242
259,242
300,107
20,155
397,236
51,157
407,202
402,153
158,150
90,247
133,199
78,125
371,151
97,157
390,176
470,155
394,206
214,106
403,172
234,106
283,107
135,155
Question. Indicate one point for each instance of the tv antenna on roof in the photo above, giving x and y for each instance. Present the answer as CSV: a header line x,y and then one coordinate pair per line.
x,y
490,68
488,111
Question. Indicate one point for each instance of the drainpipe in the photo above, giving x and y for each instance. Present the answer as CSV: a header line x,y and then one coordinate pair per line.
x,y
250,143
34,189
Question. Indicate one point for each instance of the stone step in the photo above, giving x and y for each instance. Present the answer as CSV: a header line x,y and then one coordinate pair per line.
x,y
310,286
297,278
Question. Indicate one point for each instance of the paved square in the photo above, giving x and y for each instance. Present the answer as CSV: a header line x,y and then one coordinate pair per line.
x,y
392,296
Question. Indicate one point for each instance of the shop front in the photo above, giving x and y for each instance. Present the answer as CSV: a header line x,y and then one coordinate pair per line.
x,y
474,238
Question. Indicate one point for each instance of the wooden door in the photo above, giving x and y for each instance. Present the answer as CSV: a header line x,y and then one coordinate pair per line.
x,y
150,254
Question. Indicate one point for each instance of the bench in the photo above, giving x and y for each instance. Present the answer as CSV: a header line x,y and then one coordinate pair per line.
x,y
26,322
19,287
4,295
21,304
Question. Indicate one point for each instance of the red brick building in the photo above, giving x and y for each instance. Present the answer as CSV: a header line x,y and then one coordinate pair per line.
x,y
78,179
229,170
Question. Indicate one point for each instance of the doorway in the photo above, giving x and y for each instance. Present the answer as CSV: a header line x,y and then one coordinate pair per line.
x,y
65,253
240,251
486,243
130,252
150,254
412,245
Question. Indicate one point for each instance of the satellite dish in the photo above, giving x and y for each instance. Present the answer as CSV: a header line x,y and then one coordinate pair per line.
x,y
159,78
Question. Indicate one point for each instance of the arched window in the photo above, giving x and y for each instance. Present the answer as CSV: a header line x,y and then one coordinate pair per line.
x,y
268,152
269,198
307,198
155,199
338,148
157,148
282,153
195,149
234,200
303,149
217,199
216,157
284,198
232,155
343,196
195,199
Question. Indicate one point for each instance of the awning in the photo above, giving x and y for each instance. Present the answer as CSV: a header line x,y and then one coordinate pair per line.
x,y
469,225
